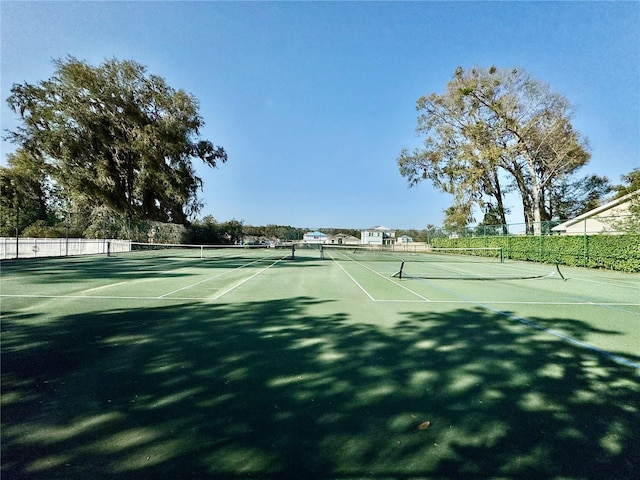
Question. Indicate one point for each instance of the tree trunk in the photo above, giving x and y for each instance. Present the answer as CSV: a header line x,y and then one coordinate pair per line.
x,y
500,203
535,198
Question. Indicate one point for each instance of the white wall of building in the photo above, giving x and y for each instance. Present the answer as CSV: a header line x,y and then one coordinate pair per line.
x,y
378,236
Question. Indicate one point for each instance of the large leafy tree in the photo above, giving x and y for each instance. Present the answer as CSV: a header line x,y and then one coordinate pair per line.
x,y
26,195
494,131
115,137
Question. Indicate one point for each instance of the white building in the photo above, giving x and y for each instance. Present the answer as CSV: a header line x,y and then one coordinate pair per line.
x,y
605,219
405,239
342,239
378,236
315,237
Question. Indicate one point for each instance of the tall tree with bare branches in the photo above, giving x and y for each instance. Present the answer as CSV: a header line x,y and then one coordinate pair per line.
x,y
492,132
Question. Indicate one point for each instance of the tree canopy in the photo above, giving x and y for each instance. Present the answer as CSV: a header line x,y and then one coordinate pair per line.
x,y
114,138
631,183
492,132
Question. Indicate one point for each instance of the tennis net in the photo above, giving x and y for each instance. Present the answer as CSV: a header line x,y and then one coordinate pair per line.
x,y
438,263
393,254
213,252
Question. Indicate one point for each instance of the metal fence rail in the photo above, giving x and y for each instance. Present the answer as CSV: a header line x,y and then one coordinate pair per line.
x,y
619,224
12,247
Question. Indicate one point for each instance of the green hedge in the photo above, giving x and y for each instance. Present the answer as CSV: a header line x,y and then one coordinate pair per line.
x,y
613,252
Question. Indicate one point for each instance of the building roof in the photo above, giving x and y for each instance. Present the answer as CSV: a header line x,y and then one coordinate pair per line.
x,y
591,213
316,234
381,228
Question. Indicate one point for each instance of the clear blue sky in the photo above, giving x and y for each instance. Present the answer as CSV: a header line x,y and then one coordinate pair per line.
x,y
313,101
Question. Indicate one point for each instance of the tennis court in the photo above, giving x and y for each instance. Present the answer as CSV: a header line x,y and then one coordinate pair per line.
x,y
248,363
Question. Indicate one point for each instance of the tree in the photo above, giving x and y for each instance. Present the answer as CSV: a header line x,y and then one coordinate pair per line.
x,y
570,196
631,183
490,224
26,196
494,131
114,136
208,231
457,217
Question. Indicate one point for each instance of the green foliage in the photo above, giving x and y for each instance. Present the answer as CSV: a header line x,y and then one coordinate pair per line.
x,y
613,252
39,229
210,232
114,137
494,131
631,183
569,197
25,196
282,232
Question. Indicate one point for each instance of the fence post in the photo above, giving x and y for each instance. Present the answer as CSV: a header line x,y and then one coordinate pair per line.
x,y
585,246
540,246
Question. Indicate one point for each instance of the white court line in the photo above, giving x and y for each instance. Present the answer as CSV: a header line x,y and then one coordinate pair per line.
x,y
462,302
566,338
486,305
507,302
207,279
198,283
83,297
424,299
354,281
106,286
245,280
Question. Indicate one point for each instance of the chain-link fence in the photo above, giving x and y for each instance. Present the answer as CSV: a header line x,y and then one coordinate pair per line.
x,y
596,225
12,247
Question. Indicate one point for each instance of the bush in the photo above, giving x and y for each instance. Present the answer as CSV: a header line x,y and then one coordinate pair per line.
x,y
613,252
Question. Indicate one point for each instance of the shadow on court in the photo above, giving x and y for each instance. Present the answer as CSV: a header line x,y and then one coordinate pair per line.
x,y
272,390
66,270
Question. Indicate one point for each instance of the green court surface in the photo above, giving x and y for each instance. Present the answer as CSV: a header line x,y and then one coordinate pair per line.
x,y
255,365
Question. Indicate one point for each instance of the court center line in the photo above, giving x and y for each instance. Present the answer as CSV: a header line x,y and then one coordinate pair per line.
x,y
381,275
209,278
356,282
397,283
245,280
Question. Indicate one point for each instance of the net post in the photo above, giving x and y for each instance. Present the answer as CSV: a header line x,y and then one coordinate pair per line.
x,y
321,252
501,254
201,252
400,272
559,272
293,251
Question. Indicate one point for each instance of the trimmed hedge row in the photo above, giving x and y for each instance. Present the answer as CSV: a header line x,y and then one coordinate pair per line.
x,y
613,252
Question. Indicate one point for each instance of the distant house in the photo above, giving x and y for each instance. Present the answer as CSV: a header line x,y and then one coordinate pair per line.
x,y
605,219
405,239
315,237
342,239
378,236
